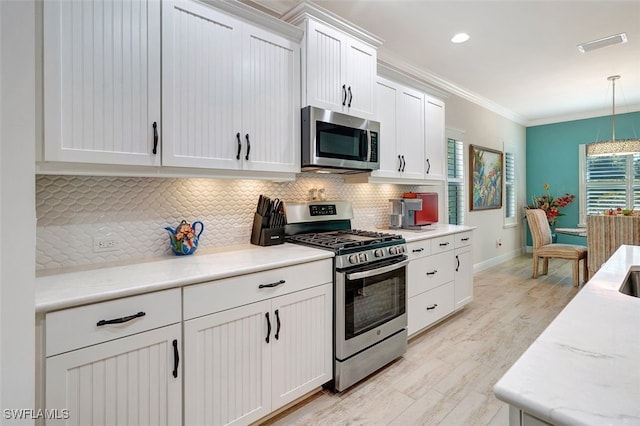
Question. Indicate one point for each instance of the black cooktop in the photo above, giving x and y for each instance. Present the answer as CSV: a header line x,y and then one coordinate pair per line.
x,y
346,239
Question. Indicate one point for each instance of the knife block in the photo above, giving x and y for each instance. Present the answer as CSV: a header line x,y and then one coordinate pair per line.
x,y
262,235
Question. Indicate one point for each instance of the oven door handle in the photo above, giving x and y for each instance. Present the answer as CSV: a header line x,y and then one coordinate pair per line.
x,y
377,271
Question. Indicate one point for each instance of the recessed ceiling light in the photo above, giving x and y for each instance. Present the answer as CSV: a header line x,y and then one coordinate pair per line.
x,y
602,42
460,38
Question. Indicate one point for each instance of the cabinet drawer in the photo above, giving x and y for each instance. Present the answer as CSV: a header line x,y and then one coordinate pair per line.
x,y
430,272
427,308
219,295
78,327
441,244
418,249
463,239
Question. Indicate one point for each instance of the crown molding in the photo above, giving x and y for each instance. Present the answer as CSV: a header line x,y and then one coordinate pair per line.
x,y
305,10
391,72
583,115
257,16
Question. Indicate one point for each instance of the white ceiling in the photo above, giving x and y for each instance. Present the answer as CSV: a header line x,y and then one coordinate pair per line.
x,y
521,60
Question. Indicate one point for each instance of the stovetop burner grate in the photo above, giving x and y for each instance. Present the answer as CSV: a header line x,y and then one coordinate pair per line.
x,y
345,238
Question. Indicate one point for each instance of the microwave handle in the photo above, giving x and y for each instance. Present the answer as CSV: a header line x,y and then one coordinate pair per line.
x,y
368,145
377,271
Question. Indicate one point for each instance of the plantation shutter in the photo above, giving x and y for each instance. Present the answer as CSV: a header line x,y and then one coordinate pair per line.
x,y
612,181
455,173
510,184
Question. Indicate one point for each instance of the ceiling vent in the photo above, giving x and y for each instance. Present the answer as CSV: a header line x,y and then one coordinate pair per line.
x,y
603,42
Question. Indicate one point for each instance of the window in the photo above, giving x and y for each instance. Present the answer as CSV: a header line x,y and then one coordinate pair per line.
x,y
608,182
455,173
510,205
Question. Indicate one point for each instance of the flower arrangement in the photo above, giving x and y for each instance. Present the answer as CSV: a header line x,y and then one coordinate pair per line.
x,y
550,204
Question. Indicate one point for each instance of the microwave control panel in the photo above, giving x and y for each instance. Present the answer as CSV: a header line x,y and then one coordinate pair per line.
x,y
374,147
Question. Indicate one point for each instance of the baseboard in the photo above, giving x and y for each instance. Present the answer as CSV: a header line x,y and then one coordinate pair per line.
x,y
498,259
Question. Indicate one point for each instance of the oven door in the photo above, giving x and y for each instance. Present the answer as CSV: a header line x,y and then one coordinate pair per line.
x,y
370,305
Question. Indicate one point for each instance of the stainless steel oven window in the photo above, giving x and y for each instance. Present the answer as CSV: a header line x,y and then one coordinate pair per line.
x,y
372,301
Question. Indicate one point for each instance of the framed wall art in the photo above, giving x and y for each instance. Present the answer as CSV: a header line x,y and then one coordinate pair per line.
x,y
485,178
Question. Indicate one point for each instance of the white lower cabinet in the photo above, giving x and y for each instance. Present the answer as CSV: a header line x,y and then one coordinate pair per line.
x,y
228,365
116,362
248,345
440,279
430,306
129,381
245,362
463,269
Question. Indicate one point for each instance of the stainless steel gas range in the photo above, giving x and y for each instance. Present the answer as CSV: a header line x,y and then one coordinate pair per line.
x,y
370,297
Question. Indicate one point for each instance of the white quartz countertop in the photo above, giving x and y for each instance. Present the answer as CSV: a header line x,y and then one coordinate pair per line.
x,y
69,289
584,369
429,231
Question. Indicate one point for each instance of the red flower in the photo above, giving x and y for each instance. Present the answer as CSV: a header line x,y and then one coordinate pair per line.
x,y
550,204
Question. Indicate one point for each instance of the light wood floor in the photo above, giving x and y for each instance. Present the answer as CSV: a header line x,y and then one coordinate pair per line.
x,y
447,375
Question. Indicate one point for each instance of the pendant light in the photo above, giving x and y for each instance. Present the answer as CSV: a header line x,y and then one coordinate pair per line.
x,y
613,146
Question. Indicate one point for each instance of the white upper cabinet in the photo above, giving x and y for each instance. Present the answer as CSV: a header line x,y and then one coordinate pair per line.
x,y
230,92
228,85
435,154
401,116
340,66
102,81
340,71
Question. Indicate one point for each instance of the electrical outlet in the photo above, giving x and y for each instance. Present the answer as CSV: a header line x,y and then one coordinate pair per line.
x,y
103,244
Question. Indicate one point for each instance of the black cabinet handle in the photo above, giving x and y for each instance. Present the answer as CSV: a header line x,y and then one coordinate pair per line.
x,y
433,272
458,264
239,146
404,163
418,250
399,164
155,137
277,325
120,320
176,358
344,94
350,97
464,239
268,327
276,284
428,166
435,305
248,146
444,244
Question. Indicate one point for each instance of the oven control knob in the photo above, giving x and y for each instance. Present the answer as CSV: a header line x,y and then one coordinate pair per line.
x,y
363,257
400,249
393,250
378,253
353,258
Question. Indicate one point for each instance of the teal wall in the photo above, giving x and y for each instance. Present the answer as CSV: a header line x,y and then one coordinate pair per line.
x,y
552,157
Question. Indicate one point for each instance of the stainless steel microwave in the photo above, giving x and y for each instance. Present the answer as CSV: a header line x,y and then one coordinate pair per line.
x,y
338,143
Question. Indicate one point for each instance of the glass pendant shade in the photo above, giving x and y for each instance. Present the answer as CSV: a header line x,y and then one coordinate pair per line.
x,y
613,146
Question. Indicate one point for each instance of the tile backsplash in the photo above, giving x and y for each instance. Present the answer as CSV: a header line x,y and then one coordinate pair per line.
x,y
73,210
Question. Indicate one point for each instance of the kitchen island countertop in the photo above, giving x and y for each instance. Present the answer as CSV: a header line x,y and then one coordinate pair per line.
x,y
78,287
584,369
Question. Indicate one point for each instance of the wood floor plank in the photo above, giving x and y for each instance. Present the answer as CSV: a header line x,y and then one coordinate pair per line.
x,y
447,375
